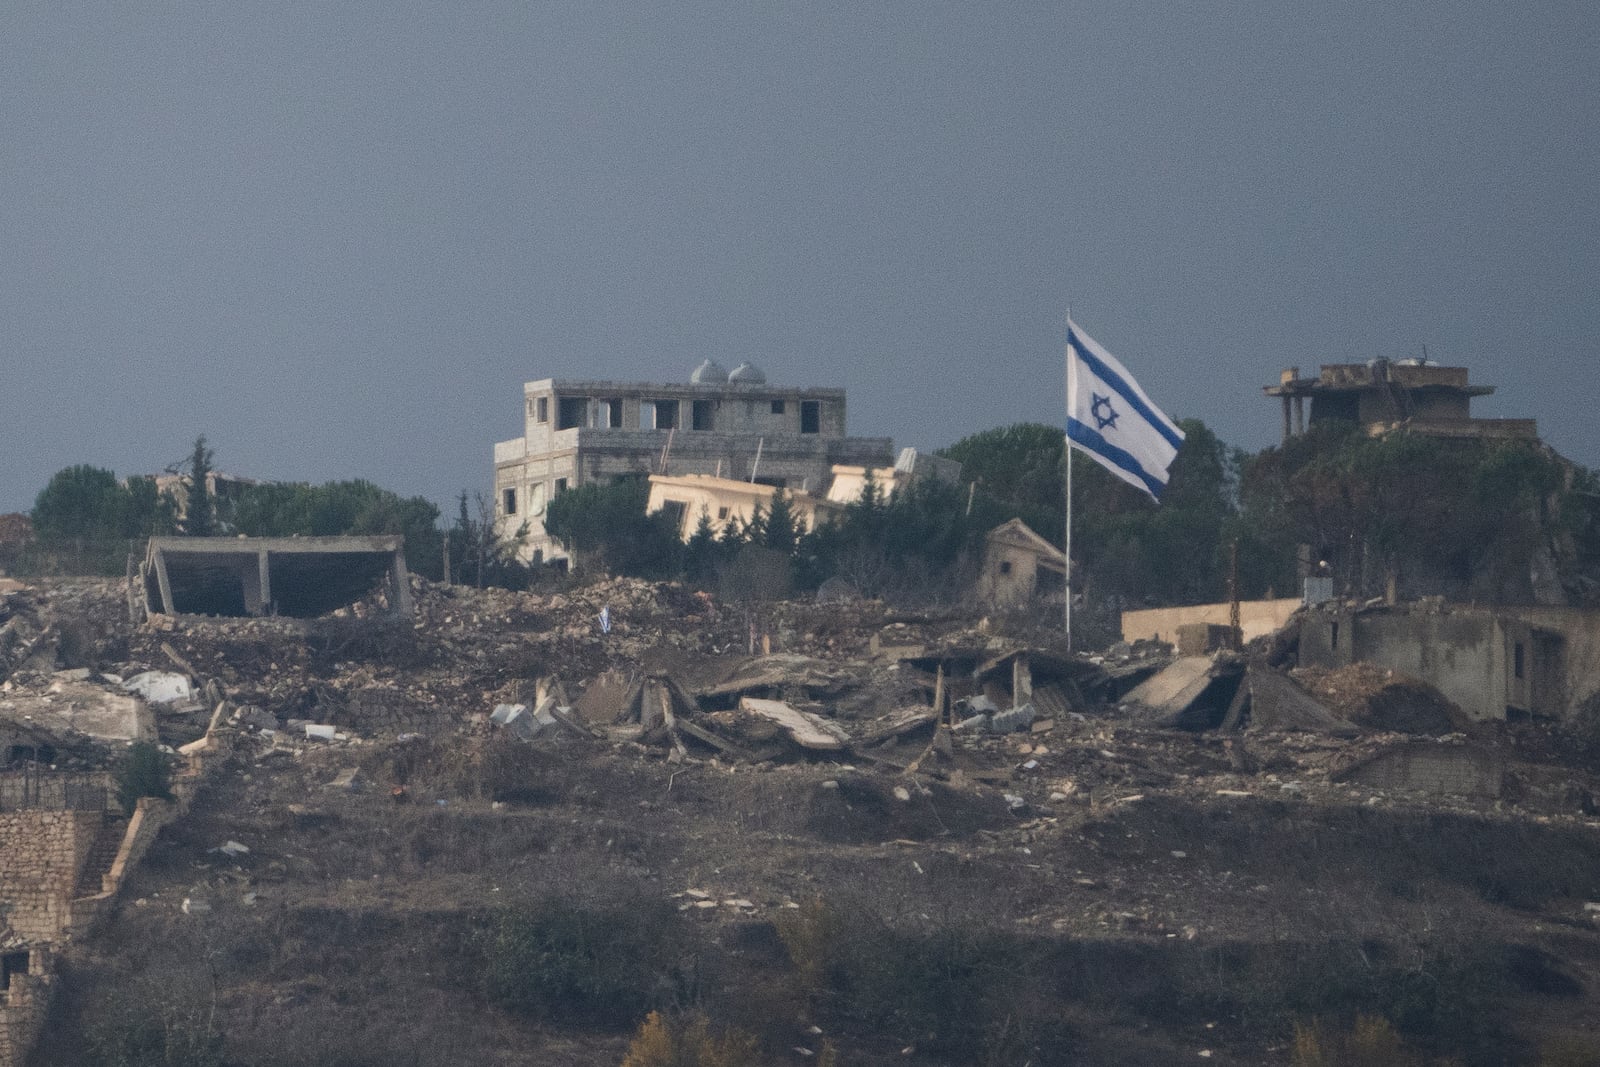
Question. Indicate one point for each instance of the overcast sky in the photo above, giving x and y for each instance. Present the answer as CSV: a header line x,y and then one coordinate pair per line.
x,y
337,237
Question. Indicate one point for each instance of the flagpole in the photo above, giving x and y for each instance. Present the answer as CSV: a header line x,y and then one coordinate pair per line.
x,y
1067,454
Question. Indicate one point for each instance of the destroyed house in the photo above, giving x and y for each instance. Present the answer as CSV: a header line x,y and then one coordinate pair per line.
x,y
1494,663
1413,394
731,425
301,577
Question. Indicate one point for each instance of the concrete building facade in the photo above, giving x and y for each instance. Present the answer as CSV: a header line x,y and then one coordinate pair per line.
x,y
730,425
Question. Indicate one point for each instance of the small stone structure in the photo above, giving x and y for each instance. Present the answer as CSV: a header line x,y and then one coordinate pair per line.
x,y
1018,565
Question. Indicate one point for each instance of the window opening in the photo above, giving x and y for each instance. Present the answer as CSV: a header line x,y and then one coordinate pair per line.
x,y
702,414
810,416
777,407
508,501
570,411
666,414
542,409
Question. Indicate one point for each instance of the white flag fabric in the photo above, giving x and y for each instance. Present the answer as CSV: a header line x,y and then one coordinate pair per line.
x,y
1110,418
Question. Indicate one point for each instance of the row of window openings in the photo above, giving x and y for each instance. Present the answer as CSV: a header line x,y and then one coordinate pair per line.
x,y
508,497
571,412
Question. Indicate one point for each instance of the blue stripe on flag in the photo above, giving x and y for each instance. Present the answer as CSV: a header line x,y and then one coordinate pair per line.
x,y
1092,441
1120,385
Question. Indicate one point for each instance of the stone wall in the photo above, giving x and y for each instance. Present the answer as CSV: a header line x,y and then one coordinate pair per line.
x,y
43,852
23,1007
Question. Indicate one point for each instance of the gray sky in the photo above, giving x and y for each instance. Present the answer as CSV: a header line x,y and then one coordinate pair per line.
x,y
336,238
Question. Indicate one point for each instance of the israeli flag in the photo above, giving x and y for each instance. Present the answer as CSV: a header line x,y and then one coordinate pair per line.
x,y
1110,418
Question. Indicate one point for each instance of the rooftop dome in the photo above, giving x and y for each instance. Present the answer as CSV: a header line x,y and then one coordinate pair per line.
x,y
748,373
708,373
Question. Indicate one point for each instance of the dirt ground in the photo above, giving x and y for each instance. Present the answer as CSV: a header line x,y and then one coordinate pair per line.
x,y
1090,891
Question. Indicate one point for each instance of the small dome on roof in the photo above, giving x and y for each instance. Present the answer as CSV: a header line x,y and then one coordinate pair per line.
x,y
748,373
708,373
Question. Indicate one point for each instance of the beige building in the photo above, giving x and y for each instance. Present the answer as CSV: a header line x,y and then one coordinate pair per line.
x,y
732,426
723,500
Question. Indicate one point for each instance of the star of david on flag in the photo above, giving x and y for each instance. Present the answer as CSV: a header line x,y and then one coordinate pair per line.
x,y
1112,420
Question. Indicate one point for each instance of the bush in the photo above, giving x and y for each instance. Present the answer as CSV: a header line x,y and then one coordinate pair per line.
x,y
603,965
960,992
689,1043
1371,1041
144,773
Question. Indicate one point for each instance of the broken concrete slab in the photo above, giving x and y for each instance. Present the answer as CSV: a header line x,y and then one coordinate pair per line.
x,y
802,727
1277,704
1192,693
67,708
161,687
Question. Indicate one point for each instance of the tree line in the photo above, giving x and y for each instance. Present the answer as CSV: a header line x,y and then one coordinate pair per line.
x,y
1491,520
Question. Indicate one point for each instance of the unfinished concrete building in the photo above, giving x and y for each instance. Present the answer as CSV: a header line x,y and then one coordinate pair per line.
x,y
301,577
1412,394
729,425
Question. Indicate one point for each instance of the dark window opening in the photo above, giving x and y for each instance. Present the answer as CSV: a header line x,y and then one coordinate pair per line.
x,y
508,501
674,510
1005,566
613,412
1517,666
722,513
810,416
666,414
561,485
570,411
31,754
12,963
703,414
1333,636
777,407
542,409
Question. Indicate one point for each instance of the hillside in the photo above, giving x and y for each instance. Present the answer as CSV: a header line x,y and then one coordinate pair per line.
x,y
431,888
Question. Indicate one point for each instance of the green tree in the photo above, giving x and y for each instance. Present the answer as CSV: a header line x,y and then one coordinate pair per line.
x,y
80,502
339,508
199,513
144,773
606,528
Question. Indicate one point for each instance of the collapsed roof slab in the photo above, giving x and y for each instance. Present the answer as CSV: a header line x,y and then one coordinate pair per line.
x,y
300,577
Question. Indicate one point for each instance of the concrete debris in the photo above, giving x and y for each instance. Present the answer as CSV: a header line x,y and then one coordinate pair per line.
x,y
804,728
161,687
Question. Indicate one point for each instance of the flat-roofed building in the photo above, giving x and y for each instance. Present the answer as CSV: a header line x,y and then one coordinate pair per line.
x,y
729,425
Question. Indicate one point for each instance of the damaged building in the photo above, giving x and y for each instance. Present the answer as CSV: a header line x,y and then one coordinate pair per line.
x,y
731,425
1412,394
299,577
1494,663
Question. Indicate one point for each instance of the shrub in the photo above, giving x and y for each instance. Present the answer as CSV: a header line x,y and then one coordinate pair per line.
x,y
1371,1041
144,773
597,964
689,1043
